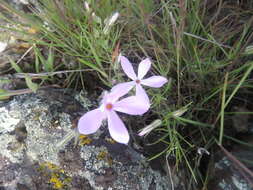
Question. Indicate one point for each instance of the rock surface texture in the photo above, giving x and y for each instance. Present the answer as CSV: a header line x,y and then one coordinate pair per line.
x,y
32,127
227,176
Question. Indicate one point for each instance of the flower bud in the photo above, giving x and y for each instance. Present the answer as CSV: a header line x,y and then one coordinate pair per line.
x,y
146,130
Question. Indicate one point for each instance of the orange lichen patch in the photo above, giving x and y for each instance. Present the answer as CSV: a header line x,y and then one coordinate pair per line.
x,y
57,183
49,166
103,155
57,176
110,140
32,31
84,140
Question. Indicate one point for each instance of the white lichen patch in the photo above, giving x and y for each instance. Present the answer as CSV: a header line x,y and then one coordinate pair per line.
x,y
93,161
43,130
93,164
82,98
43,136
127,176
15,156
240,183
7,121
65,122
224,162
41,145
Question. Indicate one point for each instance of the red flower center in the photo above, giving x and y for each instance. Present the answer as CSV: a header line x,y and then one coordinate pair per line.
x,y
108,106
138,81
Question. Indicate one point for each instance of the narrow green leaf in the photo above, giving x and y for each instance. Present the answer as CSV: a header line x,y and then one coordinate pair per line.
x,y
49,64
37,61
93,66
33,86
223,109
4,95
15,66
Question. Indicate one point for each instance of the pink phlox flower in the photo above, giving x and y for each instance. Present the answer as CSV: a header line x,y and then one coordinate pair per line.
x,y
137,80
91,121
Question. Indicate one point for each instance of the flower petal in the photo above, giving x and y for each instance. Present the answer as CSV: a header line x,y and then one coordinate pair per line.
x,y
131,105
122,89
127,68
110,97
142,95
143,68
117,128
90,122
154,81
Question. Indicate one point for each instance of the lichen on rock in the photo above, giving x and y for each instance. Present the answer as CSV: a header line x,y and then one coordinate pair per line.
x,y
31,127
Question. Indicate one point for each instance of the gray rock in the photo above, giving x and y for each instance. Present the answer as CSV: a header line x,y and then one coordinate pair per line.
x,y
31,128
226,175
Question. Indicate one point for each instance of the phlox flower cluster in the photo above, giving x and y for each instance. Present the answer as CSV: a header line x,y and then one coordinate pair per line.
x,y
111,103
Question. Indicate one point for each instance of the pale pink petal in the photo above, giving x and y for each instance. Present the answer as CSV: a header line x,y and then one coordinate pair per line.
x,y
90,122
142,95
104,96
117,128
131,105
122,89
154,81
112,96
127,68
143,68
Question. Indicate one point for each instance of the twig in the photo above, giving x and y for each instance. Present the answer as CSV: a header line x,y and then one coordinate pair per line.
x,y
23,91
164,5
170,174
37,75
22,57
200,38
